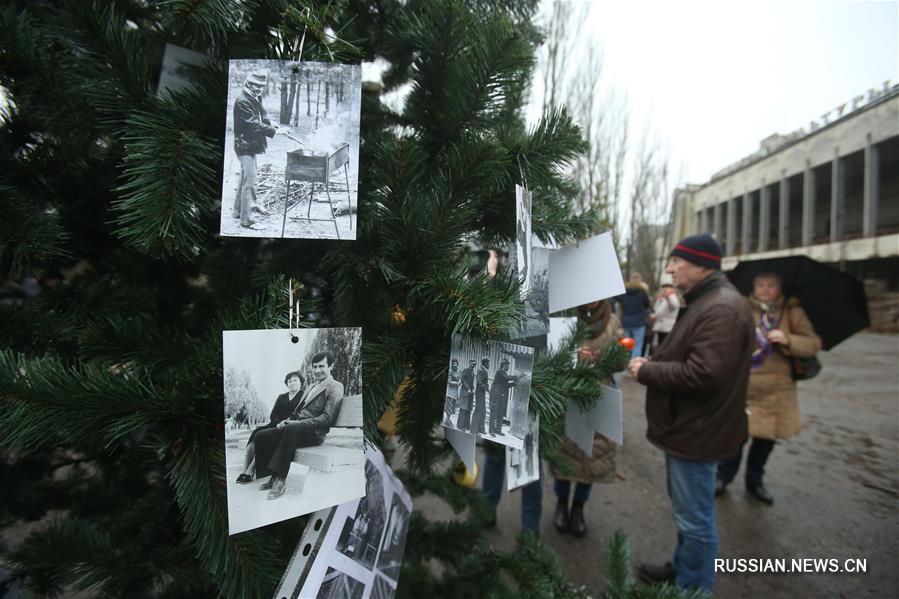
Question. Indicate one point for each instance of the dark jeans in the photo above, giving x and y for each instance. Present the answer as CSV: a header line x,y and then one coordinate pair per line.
x,y
531,493
581,491
759,450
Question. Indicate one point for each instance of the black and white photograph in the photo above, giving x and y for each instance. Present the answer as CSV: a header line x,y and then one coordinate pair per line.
x,y
488,387
291,150
382,589
363,531
293,422
523,247
338,585
391,557
536,302
523,465
180,68
363,540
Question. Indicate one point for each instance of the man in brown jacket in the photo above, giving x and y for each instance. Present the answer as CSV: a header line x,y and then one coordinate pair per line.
x,y
696,403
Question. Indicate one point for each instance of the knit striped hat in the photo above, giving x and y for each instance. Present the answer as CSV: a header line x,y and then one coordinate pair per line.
x,y
701,249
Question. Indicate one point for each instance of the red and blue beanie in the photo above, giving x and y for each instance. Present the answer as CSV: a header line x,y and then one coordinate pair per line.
x,y
701,249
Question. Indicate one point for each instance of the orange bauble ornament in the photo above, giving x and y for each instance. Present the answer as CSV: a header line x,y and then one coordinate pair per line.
x,y
627,342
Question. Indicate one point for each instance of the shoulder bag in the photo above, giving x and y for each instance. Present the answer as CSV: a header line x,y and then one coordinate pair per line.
x,y
802,368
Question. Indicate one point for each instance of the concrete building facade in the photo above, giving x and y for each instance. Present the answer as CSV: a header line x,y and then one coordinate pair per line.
x,y
830,192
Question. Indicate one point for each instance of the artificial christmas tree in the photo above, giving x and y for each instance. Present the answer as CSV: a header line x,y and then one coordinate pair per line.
x,y
119,285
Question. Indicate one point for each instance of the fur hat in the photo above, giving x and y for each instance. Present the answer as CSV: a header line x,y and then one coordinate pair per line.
x,y
701,249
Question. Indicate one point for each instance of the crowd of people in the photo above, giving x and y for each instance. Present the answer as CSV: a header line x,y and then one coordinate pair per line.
x,y
717,373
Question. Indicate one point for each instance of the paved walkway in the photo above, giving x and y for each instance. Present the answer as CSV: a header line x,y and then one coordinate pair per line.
x,y
835,485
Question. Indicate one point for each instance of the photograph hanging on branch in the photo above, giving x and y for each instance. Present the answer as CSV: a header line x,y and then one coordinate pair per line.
x,y
291,163
293,422
180,69
360,541
523,249
569,287
536,300
523,465
487,391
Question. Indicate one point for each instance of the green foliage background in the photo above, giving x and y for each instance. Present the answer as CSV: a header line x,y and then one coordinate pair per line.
x,y
111,377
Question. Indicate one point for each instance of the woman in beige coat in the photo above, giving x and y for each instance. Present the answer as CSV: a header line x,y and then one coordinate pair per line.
x,y
782,331
605,328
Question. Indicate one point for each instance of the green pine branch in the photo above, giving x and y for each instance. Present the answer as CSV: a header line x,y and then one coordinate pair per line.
x,y
170,184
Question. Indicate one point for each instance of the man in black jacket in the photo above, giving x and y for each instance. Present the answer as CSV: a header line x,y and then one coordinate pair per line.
x,y
499,397
466,397
696,403
251,127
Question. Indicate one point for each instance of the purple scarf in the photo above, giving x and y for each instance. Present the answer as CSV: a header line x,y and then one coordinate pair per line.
x,y
763,347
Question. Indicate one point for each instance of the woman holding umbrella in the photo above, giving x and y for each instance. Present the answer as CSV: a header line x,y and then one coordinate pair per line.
x,y
782,331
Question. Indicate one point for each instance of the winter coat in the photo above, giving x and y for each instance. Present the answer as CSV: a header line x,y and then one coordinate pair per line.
x,y
600,465
251,126
665,311
696,381
635,306
282,410
773,404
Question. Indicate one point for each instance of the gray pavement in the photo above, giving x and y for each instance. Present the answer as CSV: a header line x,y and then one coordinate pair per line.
x,y
835,485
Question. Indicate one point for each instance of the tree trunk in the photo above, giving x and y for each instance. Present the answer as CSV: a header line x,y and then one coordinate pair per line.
x,y
284,116
293,94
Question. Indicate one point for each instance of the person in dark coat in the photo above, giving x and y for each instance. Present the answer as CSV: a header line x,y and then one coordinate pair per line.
x,y
452,392
499,397
251,127
696,384
480,398
284,406
466,397
308,424
599,466
635,305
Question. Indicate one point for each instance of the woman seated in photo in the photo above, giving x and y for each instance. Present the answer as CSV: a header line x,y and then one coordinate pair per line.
x,y
284,406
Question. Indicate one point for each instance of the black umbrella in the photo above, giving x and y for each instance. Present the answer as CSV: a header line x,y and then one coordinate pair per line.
x,y
834,300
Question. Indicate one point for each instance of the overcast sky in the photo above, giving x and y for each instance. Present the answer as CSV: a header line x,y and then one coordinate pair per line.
x,y
715,78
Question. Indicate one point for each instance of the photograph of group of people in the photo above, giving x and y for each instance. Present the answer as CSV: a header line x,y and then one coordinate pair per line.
x,y
293,422
291,149
487,390
360,552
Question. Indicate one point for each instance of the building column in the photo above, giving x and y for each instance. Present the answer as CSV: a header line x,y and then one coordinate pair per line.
x,y
871,192
716,221
837,196
747,224
808,204
731,228
783,207
764,216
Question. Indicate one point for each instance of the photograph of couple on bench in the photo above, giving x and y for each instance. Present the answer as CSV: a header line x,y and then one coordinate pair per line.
x,y
306,449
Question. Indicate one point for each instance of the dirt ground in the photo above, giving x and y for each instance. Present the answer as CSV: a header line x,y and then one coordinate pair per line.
x,y
272,189
835,486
